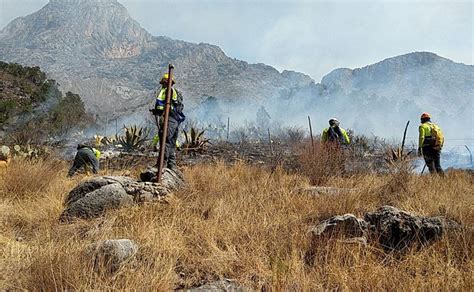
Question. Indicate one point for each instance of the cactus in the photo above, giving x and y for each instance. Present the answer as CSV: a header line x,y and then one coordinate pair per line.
x,y
134,138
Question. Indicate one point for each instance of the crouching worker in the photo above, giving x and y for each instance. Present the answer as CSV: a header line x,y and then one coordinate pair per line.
x,y
86,157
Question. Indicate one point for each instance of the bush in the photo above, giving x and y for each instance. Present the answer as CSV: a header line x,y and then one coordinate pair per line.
x,y
322,162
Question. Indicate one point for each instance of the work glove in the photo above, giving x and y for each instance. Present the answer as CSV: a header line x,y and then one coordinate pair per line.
x,y
420,153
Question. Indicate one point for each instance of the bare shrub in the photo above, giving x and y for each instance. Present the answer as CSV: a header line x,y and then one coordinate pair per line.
x,y
294,135
322,162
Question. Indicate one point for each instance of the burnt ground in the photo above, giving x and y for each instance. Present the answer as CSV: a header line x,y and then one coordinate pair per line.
x,y
254,153
262,154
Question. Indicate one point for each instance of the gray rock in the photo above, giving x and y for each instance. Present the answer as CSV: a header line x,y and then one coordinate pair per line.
x,y
317,190
398,230
347,226
95,203
93,197
221,285
110,255
392,228
171,179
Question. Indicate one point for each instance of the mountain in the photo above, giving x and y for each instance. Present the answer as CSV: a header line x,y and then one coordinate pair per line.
x,y
401,88
96,49
432,82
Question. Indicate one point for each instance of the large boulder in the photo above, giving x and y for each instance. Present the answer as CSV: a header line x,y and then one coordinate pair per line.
x,y
397,229
392,228
93,197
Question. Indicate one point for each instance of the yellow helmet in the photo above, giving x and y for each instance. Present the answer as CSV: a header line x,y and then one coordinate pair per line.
x,y
165,78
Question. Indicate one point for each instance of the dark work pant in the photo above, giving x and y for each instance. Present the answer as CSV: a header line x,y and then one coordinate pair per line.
x,y
84,157
432,158
171,137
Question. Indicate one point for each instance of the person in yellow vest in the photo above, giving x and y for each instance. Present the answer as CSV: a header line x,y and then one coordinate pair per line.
x,y
431,142
86,157
176,117
335,134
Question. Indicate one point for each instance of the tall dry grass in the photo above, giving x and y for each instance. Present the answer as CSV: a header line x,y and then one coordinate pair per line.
x,y
321,162
237,222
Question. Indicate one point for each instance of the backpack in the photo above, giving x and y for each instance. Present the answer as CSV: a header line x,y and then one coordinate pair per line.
x,y
179,107
335,135
438,137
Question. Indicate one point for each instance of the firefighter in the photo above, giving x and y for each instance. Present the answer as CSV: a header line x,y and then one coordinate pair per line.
x,y
176,117
335,134
86,157
431,140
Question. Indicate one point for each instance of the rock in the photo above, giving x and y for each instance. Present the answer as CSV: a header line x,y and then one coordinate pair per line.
x,y
172,179
91,198
95,203
110,255
393,229
398,230
347,225
221,285
315,190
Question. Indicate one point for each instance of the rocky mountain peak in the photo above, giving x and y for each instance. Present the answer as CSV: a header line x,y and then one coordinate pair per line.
x,y
82,2
89,27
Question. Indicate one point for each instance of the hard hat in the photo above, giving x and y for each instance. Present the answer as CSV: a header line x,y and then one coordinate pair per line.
x,y
333,121
425,116
165,78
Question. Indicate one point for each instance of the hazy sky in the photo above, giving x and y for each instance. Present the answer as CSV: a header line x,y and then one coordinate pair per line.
x,y
313,37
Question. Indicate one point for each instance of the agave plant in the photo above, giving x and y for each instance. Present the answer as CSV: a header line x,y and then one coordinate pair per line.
x,y
195,140
396,155
134,138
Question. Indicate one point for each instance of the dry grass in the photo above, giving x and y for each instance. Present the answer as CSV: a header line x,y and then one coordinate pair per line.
x,y
237,222
321,162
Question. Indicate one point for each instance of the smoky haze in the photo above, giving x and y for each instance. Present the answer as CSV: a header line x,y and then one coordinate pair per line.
x,y
316,37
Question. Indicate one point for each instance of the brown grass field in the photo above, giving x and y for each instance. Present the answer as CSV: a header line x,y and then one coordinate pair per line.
x,y
232,221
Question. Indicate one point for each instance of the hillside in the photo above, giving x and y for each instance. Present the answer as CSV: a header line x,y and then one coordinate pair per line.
x,y
96,49
32,108
381,97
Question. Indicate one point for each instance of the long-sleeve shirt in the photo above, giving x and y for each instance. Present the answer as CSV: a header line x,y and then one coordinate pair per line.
x,y
424,131
324,136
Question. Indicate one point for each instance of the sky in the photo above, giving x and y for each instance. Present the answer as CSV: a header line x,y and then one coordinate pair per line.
x,y
313,37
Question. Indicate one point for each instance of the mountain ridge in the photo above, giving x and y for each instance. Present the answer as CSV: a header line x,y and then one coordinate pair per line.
x,y
115,65
116,59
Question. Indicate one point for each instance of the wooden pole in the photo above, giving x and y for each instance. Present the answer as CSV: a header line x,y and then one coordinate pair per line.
x,y
311,133
169,91
470,154
228,128
106,124
404,137
270,141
